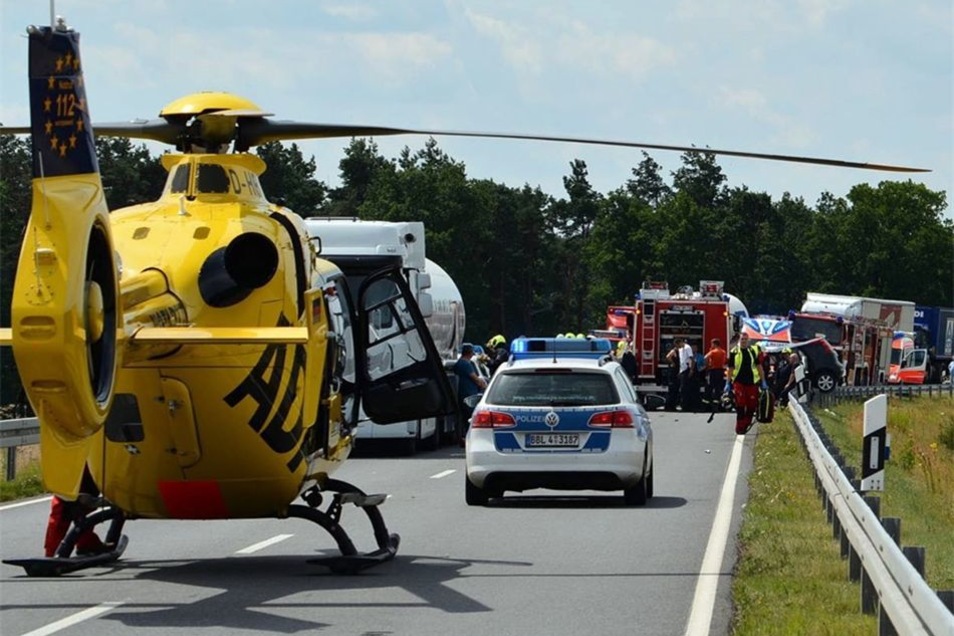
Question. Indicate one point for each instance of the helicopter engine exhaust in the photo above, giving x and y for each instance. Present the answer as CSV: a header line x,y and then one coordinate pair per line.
x,y
233,272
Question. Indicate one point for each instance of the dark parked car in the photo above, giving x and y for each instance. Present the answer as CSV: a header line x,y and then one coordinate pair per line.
x,y
822,365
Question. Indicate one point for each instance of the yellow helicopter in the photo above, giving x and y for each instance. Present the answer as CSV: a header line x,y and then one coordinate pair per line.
x,y
195,356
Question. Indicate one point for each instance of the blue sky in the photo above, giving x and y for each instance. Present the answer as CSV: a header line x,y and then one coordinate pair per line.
x,y
861,80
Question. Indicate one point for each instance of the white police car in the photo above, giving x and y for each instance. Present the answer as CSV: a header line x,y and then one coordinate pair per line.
x,y
560,415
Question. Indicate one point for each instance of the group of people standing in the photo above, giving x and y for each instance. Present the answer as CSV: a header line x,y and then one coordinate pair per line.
x,y
690,371
741,373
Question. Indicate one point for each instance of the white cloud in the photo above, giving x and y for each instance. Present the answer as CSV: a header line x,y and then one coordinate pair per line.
x,y
355,12
817,12
627,55
539,42
392,55
751,102
517,45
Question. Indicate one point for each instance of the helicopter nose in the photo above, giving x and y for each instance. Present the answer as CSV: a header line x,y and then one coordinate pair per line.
x,y
233,272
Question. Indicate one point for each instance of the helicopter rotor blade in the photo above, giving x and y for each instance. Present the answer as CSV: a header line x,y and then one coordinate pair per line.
x,y
253,129
262,131
153,129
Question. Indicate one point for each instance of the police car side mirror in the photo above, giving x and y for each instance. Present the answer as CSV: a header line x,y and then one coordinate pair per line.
x,y
472,400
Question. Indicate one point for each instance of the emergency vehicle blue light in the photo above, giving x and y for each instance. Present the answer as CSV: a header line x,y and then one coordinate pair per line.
x,y
523,348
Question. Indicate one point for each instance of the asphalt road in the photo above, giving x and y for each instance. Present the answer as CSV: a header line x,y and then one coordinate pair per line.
x,y
535,563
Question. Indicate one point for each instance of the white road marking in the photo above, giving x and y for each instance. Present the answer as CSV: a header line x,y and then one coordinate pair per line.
x,y
264,544
703,601
79,617
25,503
444,473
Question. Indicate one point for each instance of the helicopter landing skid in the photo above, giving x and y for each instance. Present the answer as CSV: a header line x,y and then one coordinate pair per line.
x,y
55,566
350,561
63,563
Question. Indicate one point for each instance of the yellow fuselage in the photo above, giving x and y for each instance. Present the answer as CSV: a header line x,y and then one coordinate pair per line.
x,y
215,430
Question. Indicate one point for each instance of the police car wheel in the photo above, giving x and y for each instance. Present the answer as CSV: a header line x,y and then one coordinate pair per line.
x,y
638,494
473,495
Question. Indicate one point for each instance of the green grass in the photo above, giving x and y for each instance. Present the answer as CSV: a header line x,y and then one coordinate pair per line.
x,y
28,483
790,577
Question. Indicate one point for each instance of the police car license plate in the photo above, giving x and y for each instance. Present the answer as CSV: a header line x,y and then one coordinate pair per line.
x,y
553,439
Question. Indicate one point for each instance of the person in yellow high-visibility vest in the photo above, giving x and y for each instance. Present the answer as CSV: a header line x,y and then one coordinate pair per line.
x,y
745,373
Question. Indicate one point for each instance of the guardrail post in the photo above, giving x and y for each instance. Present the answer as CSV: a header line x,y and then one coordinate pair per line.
x,y
915,555
885,627
854,564
875,504
869,595
947,597
892,525
11,463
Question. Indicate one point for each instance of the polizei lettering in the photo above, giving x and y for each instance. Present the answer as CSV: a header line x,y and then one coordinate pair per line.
x,y
529,419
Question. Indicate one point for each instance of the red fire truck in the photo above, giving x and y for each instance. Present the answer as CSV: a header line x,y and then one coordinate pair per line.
x,y
659,317
860,329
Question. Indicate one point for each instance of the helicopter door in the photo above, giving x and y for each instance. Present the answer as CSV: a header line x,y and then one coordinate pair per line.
x,y
401,376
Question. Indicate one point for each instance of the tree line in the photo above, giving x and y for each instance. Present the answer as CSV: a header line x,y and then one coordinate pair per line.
x,y
527,262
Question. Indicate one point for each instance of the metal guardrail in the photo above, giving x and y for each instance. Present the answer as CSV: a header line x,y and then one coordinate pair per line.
x,y
905,598
842,393
20,432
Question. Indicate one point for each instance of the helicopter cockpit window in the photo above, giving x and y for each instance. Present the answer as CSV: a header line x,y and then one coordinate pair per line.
x,y
393,341
376,296
180,180
212,179
339,312
341,323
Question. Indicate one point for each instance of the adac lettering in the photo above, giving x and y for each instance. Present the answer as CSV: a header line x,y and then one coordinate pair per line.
x,y
262,385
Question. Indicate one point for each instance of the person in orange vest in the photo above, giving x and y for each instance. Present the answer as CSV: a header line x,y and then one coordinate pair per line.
x,y
745,373
715,372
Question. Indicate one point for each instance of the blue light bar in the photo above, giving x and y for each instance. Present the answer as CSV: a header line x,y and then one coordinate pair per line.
x,y
523,348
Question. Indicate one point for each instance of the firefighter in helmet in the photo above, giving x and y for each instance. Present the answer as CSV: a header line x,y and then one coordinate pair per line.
x,y
498,351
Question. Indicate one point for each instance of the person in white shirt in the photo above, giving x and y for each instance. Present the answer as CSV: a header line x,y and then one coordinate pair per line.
x,y
686,366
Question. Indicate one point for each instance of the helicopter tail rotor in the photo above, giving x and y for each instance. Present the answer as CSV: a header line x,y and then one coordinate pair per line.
x,y
65,296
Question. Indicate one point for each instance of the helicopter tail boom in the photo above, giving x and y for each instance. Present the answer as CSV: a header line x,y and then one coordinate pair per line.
x,y
65,296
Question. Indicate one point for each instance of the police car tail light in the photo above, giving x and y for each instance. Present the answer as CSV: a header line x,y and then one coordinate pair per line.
x,y
612,419
492,419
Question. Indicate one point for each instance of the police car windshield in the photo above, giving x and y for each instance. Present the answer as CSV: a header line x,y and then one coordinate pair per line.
x,y
552,389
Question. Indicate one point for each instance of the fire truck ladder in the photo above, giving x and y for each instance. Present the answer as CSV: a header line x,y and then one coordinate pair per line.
x,y
647,346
